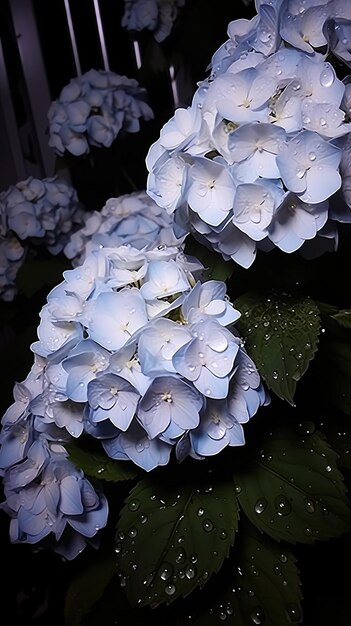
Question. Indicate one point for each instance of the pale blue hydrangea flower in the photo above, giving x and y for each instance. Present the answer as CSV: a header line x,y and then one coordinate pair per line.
x,y
269,123
137,350
128,219
93,109
157,16
49,500
34,211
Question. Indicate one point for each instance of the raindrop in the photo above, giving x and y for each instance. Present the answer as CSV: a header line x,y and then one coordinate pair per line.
x,y
223,534
143,519
294,612
257,616
283,558
132,532
260,506
327,76
170,589
194,558
312,156
207,525
180,558
200,511
165,571
309,505
133,505
274,374
282,505
190,572
277,569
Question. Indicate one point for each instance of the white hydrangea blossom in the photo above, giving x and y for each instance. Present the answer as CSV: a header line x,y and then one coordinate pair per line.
x,y
257,160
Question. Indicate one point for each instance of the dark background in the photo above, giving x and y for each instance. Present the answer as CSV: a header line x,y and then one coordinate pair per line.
x,y
34,583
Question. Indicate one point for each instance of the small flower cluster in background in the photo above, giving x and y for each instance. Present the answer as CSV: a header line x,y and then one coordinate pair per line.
x,y
158,16
93,109
133,219
255,159
32,212
135,351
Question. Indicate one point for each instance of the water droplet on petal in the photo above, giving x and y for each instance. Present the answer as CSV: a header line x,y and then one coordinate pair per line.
x,y
327,76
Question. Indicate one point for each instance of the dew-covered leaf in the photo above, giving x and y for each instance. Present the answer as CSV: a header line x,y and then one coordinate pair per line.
x,y
281,334
294,490
86,589
338,433
171,538
99,465
343,317
259,585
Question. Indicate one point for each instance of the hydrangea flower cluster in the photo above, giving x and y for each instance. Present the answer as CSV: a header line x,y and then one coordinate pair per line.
x,y
133,219
258,159
93,109
34,211
158,16
49,500
135,351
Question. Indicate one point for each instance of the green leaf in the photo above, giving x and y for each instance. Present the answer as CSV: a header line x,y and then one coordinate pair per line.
x,y
216,267
281,334
338,433
261,586
343,317
175,536
101,466
293,489
86,589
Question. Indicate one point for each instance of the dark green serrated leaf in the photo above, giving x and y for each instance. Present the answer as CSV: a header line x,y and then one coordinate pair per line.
x,y
260,586
338,433
175,536
294,490
216,267
100,466
86,589
343,317
281,334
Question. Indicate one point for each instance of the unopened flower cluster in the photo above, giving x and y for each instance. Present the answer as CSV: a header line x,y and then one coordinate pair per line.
x,y
133,351
34,211
93,109
132,218
261,157
158,16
